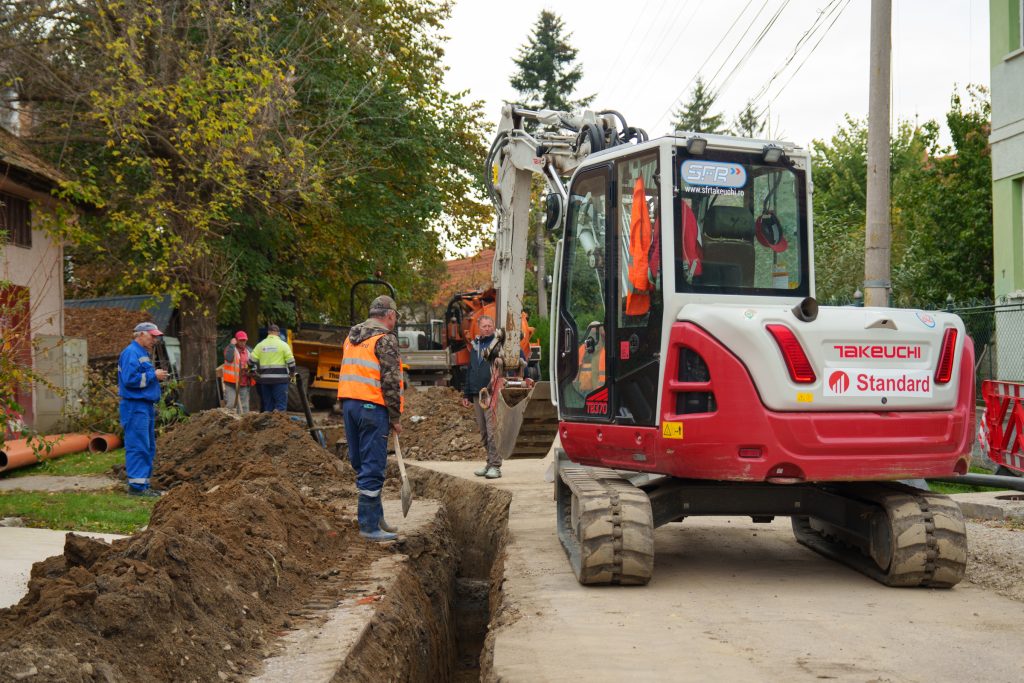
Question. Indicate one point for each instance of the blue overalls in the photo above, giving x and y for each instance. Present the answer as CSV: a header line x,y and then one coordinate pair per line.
x,y
139,390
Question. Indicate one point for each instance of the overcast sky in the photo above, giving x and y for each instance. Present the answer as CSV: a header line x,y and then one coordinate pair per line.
x,y
641,56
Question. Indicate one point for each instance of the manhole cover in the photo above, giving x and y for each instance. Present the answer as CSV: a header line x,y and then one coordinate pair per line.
x,y
1012,496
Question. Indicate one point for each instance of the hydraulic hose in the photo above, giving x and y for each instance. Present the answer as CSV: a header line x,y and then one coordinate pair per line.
x,y
994,480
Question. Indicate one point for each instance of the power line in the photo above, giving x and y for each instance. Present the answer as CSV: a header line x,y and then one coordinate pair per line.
x,y
679,97
838,14
753,47
680,34
643,41
815,25
622,47
711,81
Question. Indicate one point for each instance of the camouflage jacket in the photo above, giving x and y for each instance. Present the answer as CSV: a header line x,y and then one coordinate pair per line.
x,y
386,350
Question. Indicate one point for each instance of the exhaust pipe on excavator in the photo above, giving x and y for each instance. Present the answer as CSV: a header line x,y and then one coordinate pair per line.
x,y
807,310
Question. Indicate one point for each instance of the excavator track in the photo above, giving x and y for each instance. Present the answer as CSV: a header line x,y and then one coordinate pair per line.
x,y
917,538
605,525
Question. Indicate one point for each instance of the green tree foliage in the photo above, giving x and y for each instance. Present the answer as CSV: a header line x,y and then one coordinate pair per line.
x,y
546,75
941,208
695,115
748,124
261,154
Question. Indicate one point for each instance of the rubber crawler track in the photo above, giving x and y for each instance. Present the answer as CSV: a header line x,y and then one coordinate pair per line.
x,y
607,528
918,538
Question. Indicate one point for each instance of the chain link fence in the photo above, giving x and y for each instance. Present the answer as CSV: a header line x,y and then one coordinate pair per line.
x,y
998,334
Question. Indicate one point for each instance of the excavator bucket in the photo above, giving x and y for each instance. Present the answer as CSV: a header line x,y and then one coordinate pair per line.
x,y
526,421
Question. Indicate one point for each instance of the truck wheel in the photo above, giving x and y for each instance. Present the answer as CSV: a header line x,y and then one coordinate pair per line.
x,y
294,402
458,378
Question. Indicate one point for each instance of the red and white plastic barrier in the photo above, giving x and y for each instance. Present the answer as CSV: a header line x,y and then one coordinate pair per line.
x,y
1001,432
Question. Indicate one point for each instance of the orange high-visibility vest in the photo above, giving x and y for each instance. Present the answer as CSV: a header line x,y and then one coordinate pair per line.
x,y
638,297
360,373
232,371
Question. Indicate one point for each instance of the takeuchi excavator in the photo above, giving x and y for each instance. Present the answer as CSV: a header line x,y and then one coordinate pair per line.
x,y
692,369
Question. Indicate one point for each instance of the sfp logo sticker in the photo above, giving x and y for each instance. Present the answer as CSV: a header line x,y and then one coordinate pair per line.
x,y
877,382
713,173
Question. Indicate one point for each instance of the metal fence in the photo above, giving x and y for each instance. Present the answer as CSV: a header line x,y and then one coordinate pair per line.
x,y
998,334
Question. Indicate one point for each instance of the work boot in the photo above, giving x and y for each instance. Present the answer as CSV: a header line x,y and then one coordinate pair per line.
x,y
482,472
493,473
384,526
144,493
369,520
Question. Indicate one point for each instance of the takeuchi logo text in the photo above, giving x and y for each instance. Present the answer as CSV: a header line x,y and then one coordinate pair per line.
x,y
899,351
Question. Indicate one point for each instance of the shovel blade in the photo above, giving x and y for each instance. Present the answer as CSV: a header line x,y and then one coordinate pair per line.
x,y
406,497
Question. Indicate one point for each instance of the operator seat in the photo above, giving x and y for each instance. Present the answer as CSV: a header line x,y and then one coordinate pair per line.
x,y
728,247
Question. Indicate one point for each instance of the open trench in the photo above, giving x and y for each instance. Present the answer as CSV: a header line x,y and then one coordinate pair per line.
x,y
434,624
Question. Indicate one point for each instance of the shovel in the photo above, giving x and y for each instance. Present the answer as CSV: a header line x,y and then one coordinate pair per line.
x,y
406,487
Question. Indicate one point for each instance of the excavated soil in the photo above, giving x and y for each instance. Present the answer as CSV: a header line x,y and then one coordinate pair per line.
x,y
256,518
435,426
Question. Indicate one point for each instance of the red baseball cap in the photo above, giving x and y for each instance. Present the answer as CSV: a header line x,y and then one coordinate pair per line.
x,y
241,335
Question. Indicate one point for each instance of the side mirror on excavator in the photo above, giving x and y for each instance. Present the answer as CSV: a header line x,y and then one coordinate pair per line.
x,y
552,211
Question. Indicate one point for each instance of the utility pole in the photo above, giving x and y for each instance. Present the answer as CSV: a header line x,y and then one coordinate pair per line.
x,y
877,237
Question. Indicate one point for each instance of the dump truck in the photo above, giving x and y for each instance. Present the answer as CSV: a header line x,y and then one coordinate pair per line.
x,y
693,371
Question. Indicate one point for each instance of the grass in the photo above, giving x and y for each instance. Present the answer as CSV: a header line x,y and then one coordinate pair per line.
x,y
75,464
112,513
943,487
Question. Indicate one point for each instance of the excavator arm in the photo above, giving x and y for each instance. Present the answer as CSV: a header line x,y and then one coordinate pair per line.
x,y
551,144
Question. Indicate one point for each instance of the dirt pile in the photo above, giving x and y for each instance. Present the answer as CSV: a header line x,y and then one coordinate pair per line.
x,y
107,330
245,535
435,426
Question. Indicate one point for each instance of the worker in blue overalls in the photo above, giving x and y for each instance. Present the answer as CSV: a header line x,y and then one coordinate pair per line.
x,y
138,384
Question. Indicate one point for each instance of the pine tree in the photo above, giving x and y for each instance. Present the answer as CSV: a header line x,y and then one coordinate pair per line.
x,y
747,124
696,116
547,75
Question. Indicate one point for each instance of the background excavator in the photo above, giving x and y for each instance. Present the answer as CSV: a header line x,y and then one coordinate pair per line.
x,y
692,369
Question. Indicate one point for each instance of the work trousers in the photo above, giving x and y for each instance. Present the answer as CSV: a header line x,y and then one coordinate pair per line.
x,y
485,422
273,397
366,428
230,389
138,418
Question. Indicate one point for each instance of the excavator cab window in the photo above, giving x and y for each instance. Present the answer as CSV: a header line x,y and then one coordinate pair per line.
x,y
740,224
584,297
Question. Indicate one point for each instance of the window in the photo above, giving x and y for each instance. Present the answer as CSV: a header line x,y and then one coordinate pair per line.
x,y
16,220
740,226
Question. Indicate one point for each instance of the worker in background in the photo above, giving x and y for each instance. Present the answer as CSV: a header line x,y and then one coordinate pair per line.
x,y
370,390
478,376
138,385
236,373
273,363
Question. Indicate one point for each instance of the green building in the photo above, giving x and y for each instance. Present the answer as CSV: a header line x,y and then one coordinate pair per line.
x,y
1007,140
1007,54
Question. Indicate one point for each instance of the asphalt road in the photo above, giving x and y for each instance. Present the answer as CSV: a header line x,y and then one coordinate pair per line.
x,y
731,600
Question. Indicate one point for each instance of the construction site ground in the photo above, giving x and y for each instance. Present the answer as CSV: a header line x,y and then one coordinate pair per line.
x,y
252,568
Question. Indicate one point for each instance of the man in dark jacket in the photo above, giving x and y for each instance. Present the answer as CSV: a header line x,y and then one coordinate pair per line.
x,y
370,390
478,376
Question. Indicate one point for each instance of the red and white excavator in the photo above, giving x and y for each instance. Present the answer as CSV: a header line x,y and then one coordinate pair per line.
x,y
695,374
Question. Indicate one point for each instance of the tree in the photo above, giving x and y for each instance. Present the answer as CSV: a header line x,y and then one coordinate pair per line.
x,y
546,77
695,116
941,208
747,123
234,149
